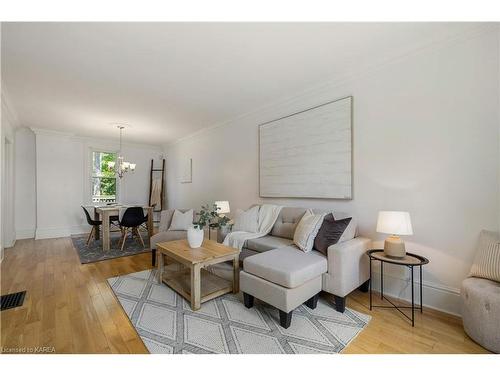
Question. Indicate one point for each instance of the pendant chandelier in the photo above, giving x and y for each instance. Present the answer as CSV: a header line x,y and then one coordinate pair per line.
x,y
121,166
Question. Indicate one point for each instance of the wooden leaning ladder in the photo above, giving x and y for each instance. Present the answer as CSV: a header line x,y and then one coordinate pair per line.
x,y
162,197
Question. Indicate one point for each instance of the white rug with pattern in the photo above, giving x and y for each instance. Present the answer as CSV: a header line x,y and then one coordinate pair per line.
x,y
166,323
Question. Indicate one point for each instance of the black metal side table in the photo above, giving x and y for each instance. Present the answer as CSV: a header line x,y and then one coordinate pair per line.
x,y
410,261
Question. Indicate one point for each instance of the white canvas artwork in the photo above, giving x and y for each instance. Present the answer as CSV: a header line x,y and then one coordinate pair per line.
x,y
308,154
187,171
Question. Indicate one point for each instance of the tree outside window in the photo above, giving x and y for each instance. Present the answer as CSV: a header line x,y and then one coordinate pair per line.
x,y
103,178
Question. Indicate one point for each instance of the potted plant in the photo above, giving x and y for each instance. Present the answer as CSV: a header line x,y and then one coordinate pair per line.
x,y
206,216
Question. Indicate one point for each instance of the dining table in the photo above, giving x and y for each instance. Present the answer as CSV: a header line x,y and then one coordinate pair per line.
x,y
104,212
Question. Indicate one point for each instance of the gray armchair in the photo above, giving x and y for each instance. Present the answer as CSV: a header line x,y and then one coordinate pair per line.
x,y
164,234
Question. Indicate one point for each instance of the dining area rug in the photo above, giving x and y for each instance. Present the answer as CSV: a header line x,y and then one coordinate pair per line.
x,y
93,252
167,325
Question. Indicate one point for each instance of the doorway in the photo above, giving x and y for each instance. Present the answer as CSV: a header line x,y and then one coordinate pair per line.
x,y
8,235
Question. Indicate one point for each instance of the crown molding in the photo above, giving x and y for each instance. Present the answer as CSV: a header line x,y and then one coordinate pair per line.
x,y
348,76
8,107
91,140
51,132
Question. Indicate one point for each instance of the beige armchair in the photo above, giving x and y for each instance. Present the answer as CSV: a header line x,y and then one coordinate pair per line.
x,y
164,234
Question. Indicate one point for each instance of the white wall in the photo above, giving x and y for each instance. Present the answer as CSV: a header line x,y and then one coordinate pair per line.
x,y
425,140
7,191
25,182
9,122
63,180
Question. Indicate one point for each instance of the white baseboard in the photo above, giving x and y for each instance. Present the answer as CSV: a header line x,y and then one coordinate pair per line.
x,y
23,234
437,297
57,232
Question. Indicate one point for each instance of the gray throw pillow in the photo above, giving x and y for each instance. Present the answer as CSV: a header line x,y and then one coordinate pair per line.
x,y
330,232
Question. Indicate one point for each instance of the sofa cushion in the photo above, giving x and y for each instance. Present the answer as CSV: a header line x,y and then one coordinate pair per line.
x,y
247,221
289,217
166,217
287,221
330,232
169,235
181,220
287,266
306,230
352,228
267,243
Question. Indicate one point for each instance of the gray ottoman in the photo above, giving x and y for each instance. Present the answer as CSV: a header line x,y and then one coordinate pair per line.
x,y
481,311
284,278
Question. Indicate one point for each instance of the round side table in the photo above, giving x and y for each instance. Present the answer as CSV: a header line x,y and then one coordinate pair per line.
x,y
410,261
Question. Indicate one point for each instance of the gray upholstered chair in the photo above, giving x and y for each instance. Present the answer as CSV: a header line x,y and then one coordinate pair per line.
x,y
164,234
481,304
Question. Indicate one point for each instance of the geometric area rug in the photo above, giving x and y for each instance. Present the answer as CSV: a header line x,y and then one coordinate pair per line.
x,y
166,323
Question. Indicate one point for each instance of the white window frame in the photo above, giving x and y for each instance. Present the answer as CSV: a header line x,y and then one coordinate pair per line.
x,y
90,174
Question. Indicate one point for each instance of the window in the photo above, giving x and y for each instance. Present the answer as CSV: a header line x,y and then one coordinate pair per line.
x,y
103,179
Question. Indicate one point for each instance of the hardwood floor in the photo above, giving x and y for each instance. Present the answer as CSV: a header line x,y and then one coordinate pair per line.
x,y
71,308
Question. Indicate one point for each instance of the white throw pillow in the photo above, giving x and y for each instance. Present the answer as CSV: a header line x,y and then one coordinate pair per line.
x,y
181,221
306,230
246,221
487,260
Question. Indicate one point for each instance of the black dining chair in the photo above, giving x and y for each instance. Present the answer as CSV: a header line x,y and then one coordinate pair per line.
x,y
95,224
132,219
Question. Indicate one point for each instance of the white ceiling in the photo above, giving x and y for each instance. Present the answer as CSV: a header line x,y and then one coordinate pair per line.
x,y
168,80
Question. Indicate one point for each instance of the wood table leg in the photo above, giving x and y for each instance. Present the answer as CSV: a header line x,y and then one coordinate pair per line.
x,y
96,218
150,223
236,274
195,287
105,231
160,262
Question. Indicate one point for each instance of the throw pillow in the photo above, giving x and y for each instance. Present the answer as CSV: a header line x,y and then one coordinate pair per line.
x,y
246,221
487,261
165,219
330,232
306,230
181,221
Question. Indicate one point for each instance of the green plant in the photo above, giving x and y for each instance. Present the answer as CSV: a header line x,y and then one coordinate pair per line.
x,y
208,215
223,220
205,216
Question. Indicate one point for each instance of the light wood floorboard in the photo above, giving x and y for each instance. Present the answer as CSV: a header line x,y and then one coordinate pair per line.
x,y
70,306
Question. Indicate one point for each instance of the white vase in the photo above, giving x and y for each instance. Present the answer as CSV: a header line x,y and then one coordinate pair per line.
x,y
194,237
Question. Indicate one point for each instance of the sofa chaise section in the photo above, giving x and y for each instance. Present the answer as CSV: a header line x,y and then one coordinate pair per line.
x,y
284,278
347,262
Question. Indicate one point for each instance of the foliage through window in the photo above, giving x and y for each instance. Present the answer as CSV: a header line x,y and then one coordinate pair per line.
x,y
103,178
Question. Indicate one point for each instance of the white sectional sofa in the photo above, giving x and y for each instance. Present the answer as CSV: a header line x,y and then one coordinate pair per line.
x,y
277,272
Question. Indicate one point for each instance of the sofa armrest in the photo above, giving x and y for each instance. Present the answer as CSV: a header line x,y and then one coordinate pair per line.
x,y
348,266
222,232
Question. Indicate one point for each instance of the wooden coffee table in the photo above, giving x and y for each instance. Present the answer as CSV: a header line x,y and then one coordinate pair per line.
x,y
183,270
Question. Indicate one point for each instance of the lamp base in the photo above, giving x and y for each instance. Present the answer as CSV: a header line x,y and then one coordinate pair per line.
x,y
394,247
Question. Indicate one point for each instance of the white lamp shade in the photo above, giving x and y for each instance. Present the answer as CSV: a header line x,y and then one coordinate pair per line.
x,y
394,222
222,207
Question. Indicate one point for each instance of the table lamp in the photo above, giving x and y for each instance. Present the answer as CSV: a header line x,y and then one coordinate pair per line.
x,y
222,207
395,223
